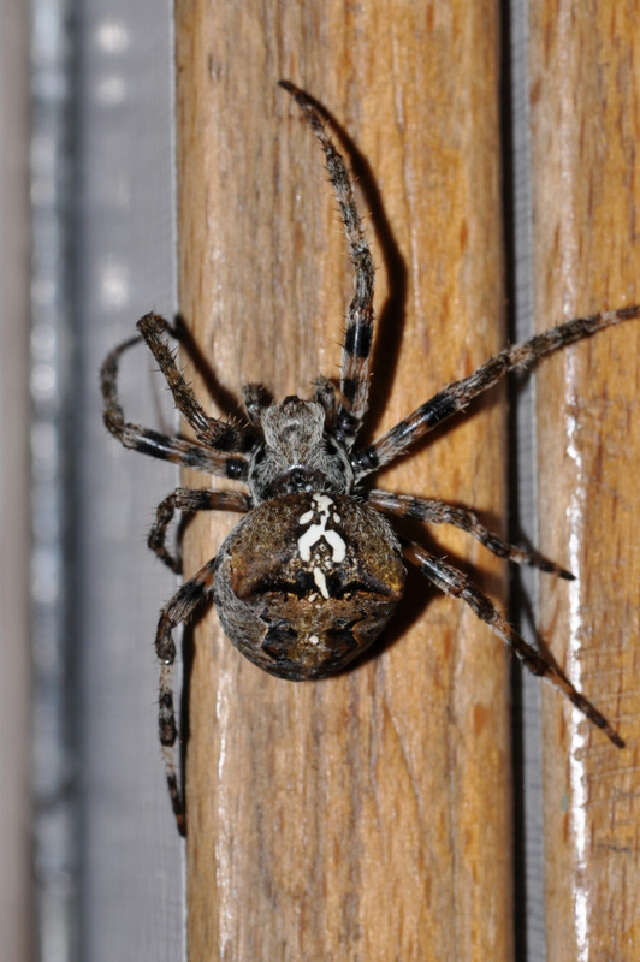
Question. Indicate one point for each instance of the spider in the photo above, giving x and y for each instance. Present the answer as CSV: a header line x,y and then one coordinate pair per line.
x,y
310,577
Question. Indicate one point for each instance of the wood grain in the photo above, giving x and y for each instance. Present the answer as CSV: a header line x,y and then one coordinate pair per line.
x,y
365,817
585,82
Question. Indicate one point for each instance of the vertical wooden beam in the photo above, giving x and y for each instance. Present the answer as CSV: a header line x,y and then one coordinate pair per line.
x,y
367,816
585,87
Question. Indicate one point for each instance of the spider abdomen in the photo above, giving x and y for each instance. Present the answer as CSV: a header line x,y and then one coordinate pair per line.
x,y
306,582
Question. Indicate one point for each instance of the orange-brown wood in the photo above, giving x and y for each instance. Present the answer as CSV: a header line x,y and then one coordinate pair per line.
x,y
367,816
585,85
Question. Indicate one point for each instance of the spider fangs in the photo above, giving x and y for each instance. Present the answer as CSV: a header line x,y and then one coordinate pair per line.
x,y
310,577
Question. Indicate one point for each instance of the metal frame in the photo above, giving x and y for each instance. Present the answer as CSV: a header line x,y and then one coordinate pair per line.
x,y
108,863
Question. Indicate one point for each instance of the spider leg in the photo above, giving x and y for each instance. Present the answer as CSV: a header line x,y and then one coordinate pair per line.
x,y
356,349
456,396
255,398
189,500
454,582
439,512
325,394
210,431
178,610
192,454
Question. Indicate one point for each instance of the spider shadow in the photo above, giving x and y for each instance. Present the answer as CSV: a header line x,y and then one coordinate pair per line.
x,y
391,318
492,583
419,591
525,606
225,399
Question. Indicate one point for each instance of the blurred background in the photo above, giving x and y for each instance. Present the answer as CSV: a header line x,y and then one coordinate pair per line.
x,y
86,246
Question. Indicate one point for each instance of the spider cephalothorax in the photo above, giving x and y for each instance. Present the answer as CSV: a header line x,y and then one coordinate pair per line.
x,y
310,577
297,452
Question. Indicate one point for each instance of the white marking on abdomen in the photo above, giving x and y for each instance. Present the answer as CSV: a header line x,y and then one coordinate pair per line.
x,y
315,532
321,582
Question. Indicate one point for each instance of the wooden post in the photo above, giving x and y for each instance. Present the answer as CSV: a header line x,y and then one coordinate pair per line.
x,y
584,92
367,816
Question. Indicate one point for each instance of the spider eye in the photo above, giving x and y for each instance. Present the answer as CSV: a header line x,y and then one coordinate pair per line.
x,y
298,479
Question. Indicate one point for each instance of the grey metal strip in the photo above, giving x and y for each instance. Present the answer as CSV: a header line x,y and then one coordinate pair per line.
x,y
108,860
529,906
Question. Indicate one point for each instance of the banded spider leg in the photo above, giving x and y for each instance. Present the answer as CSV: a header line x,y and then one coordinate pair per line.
x,y
358,337
454,582
447,402
458,395
223,458
218,451
354,378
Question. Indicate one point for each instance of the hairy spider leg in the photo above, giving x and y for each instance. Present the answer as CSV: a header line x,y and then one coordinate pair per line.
x,y
177,611
457,584
190,500
192,454
456,396
324,393
255,398
211,431
439,512
358,337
